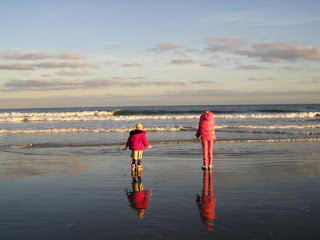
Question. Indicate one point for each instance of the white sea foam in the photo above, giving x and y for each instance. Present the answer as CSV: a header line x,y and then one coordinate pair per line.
x,y
248,128
310,126
109,116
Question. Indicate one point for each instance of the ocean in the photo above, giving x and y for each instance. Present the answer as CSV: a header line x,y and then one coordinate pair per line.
x,y
105,126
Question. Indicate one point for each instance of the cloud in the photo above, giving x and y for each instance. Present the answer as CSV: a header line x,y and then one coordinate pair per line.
x,y
266,52
315,81
16,55
261,79
234,94
46,84
204,82
32,66
251,67
131,65
208,65
222,44
275,51
164,47
70,73
182,61
166,83
51,84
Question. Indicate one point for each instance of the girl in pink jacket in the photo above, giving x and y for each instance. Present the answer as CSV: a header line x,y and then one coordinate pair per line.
x,y
206,130
137,142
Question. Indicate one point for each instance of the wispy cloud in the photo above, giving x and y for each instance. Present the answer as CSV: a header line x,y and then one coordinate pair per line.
x,y
204,82
182,61
275,51
17,55
58,84
33,66
222,44
209,65
261,79
266,52
131,65
164,47
220,93
251,67
315,81
48,84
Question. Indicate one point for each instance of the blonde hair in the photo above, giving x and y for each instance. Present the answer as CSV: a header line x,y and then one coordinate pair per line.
x,y
206,111
139,126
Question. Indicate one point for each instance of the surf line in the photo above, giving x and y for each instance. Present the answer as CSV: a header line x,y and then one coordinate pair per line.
x,y
30,146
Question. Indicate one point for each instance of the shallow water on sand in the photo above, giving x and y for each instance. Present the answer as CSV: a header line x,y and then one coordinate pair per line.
x,y
255,191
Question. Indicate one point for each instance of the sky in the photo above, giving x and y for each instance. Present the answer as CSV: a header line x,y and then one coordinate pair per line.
x,y
94,53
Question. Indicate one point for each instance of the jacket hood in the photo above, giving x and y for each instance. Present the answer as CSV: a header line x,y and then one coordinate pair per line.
x,y
207,116
137,131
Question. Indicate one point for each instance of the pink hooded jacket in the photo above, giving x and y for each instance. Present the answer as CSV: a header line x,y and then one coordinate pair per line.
x,y
137,140
206,127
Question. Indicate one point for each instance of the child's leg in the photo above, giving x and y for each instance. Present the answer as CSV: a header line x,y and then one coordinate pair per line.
x,y
205,152
133,165
210,152
140,184
139,166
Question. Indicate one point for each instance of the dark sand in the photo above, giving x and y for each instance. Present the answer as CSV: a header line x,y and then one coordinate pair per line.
x,y
259,190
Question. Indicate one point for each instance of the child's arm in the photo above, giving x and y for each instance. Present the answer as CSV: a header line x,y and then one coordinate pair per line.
x,y
127,144
145,141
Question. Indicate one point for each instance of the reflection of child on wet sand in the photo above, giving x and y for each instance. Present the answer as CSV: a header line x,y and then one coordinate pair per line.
x,y
139,198
137,142
207,203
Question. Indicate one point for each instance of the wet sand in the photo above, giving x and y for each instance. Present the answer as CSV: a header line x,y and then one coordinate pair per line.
x,y
256,191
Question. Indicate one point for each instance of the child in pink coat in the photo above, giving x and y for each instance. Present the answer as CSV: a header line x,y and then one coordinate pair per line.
x,y
137,142
206,130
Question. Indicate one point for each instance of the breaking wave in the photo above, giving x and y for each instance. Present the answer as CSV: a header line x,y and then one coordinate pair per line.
x,y
85,116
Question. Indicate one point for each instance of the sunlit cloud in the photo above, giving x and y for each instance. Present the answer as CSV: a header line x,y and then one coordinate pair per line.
x,y
315,81
204,82
166,83
239,94
131,65
71,73
58,84
17,55
182,61
209,65
33,66
163,47
261,79
221,44
48,84
275,51
251,67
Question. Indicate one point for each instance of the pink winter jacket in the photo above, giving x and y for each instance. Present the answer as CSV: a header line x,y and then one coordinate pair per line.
x,y
137,140
206,127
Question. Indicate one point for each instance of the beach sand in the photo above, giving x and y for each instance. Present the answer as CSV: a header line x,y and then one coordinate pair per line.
x,y
260,190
